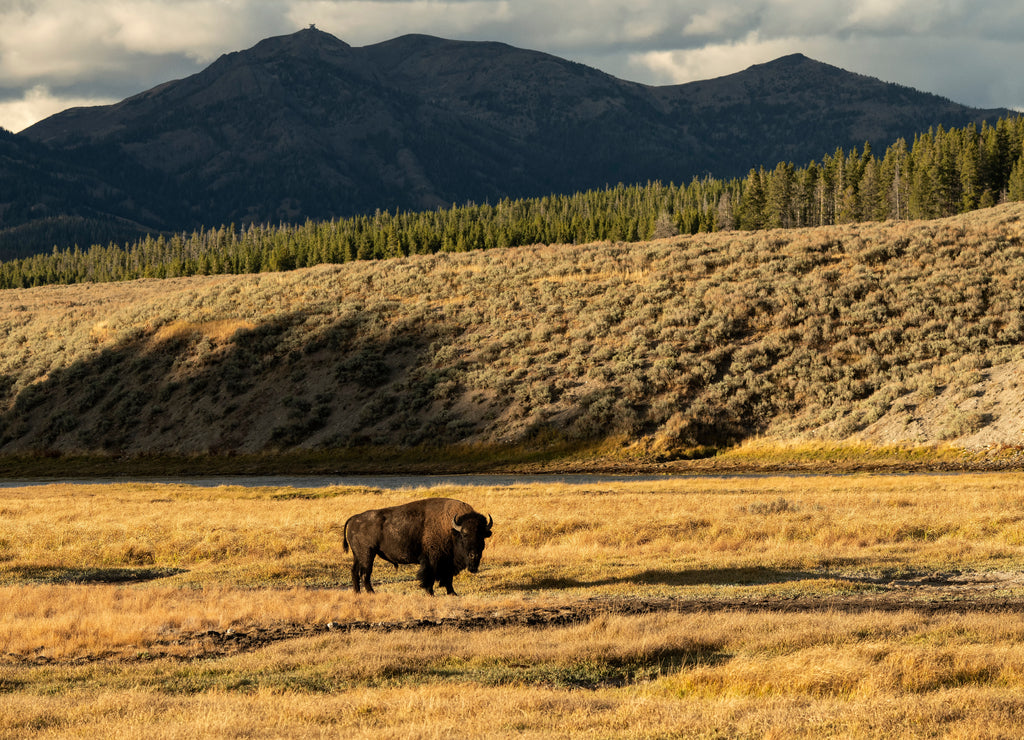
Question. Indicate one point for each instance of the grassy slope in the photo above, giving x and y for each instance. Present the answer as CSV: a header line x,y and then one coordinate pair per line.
x,y
878,334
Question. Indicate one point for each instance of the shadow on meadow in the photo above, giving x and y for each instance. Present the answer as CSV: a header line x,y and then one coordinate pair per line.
x,y
587,672
100,575
747,576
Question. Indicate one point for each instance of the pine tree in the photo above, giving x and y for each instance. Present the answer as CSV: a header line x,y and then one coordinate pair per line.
x,y
752,205
968,167
924,194
896,180
778,208
872,200
1015,186
724,217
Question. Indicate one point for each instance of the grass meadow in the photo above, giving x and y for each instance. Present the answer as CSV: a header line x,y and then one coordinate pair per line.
x,y
774,606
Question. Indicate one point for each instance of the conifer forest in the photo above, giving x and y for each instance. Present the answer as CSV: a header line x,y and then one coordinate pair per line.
x,y
941,173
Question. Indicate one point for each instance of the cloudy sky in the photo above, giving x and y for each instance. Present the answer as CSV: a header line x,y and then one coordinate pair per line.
x,y
55,54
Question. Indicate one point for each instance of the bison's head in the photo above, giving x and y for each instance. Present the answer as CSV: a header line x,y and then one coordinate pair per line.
x,y
469,532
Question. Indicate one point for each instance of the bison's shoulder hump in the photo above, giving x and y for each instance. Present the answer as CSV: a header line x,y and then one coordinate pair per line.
x,y
450,506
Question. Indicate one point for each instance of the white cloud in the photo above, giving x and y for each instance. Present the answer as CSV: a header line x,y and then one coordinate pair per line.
x,y
198,29
54,45
361,22
708,62
878,15
556,27
55,54
67,40
39,103
714,21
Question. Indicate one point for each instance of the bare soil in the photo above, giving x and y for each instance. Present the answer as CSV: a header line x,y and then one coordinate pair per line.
x,y
985,412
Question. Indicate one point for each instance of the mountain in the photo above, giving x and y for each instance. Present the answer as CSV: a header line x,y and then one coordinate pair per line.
x,y
48,198
306,126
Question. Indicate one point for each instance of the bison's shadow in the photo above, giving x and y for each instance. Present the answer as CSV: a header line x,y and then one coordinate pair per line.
x,y
43,574
693,577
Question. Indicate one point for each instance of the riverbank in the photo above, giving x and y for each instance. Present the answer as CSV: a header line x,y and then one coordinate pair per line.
x,y
609,458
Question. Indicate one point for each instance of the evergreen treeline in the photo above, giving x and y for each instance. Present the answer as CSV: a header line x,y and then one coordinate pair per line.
x,y
943,172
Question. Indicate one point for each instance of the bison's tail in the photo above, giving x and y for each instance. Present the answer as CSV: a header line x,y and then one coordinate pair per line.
x,y
344,536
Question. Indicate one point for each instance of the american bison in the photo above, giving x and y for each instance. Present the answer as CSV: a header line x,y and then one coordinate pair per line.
x,y
443,535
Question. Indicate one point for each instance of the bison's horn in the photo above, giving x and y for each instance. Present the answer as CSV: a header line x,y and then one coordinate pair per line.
x,y
455,524
490,522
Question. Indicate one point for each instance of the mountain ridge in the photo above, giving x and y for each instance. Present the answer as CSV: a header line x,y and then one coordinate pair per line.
x,y
305,126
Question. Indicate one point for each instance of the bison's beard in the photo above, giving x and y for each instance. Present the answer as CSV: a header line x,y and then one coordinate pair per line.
x,y
464,562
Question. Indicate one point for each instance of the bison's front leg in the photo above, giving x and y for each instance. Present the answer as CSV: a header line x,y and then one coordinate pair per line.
x,y
446,581
445,574
426,576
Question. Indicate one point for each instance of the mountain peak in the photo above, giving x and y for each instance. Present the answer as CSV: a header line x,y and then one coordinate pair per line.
x,y
309,38
789,60
313,35
794,64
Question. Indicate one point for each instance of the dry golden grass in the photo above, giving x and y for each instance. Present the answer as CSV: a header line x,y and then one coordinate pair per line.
x,y
805,675
118,601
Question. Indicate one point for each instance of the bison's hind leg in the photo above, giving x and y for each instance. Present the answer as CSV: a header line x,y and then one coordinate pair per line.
x,y
367,572
362,573
357,571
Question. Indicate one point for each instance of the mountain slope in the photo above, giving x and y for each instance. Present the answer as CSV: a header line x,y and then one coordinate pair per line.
x,y
894,332
797,109
47,199
306,126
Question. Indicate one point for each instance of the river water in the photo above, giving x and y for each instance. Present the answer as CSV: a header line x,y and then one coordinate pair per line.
x,y
386,482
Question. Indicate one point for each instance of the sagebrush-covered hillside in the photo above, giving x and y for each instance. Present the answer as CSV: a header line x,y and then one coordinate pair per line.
x,y
893,332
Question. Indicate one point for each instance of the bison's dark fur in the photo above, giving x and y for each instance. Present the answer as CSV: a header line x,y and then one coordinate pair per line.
x,y
443,535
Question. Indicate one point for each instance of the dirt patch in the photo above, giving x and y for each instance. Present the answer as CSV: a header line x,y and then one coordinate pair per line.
x,y
983,409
